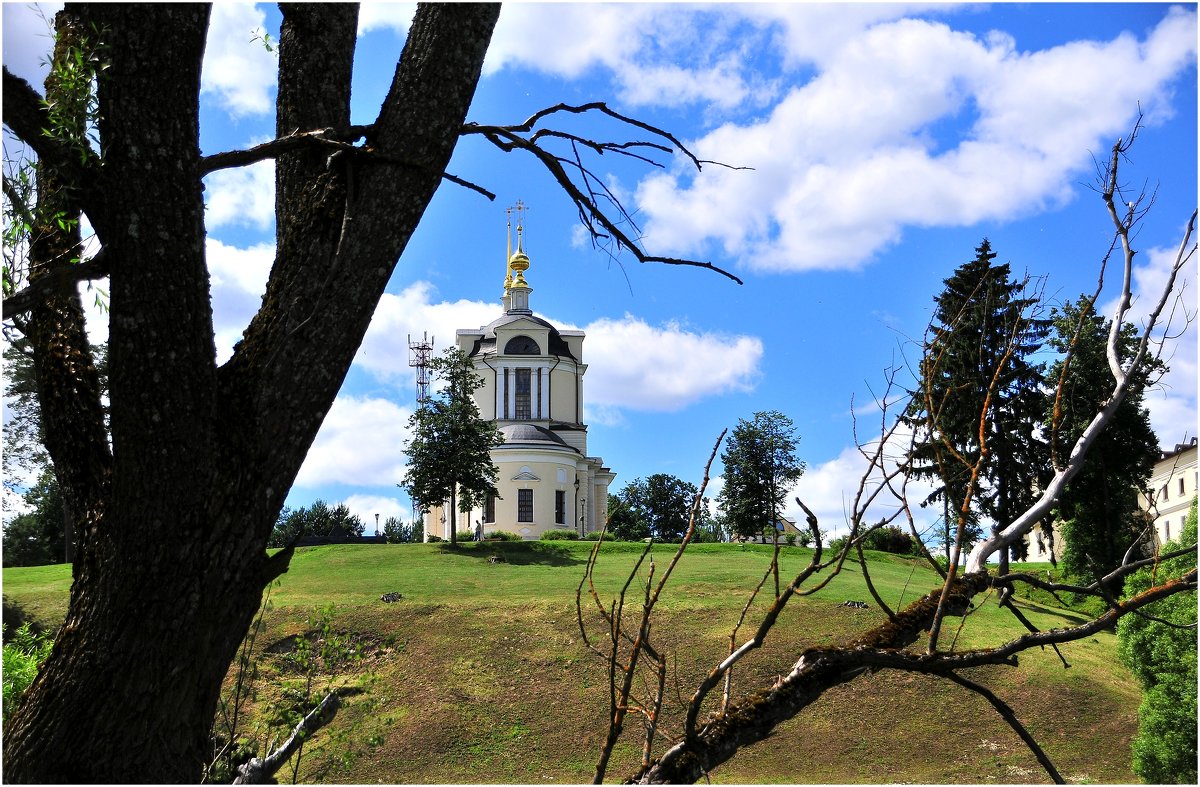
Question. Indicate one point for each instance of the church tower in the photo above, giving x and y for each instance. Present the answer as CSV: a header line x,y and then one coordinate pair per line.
x,y
533,390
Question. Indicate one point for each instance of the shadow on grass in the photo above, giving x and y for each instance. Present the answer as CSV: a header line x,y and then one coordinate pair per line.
x,y
518,553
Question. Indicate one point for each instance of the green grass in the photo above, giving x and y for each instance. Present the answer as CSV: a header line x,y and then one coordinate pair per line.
x,y
479,673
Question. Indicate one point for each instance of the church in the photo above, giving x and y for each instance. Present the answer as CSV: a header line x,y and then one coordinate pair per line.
x,y
532,389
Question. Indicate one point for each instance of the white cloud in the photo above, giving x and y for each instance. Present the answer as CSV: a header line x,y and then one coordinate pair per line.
x,y
633,365
385,16
244,196
384,351
367,506
361,443
238,281
1173,402
843,163
28,39
640,45
238,70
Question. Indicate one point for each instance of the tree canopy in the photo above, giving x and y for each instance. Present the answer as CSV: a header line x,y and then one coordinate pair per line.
x,y
976,363
1098,512
761,466
450,450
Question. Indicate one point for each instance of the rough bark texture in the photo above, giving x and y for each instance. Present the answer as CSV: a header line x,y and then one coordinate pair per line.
x,y
171,571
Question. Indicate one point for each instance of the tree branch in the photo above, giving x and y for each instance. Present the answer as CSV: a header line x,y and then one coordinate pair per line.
x,y
259,770
54,281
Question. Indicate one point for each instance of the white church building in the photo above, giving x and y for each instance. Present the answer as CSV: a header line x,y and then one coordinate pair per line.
x,y
532,389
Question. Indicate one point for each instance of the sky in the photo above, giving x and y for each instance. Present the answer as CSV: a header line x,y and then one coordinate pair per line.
x,y
870,149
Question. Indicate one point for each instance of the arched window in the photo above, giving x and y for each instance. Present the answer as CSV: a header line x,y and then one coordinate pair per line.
x,y
522,345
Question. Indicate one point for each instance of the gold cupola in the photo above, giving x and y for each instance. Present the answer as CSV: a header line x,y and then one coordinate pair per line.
x,y
516,289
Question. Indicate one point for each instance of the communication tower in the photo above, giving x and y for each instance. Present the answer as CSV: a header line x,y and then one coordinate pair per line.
x,y
419,354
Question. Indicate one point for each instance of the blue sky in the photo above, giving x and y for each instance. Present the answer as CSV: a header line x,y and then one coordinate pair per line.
x,y
885,141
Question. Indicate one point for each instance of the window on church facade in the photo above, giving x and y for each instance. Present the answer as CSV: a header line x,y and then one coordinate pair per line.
x,y
524,505
523,411
489,509
560,507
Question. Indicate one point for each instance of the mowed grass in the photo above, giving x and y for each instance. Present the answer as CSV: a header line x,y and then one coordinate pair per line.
x,y
479,673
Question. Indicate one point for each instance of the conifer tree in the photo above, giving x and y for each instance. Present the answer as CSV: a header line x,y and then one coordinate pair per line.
x,y
761,466
450,450
983,332
1098,514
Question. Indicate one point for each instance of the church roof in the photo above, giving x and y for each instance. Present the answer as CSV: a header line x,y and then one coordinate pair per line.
x,y
487,344
531,433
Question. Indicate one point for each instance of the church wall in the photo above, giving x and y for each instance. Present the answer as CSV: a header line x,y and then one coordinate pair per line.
x,y
563,394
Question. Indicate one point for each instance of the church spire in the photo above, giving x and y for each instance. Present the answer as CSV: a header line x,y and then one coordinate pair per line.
x,y
516,289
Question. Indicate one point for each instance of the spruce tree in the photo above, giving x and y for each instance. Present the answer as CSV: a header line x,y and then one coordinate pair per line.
x,y
450,450
982,326
1098,513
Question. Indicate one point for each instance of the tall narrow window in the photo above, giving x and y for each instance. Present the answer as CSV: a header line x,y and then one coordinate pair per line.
x,y
489,509
524,505
1181,487
523,411
560,507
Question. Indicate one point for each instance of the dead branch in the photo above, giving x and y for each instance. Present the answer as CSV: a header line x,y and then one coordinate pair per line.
x,y
586,198
260,770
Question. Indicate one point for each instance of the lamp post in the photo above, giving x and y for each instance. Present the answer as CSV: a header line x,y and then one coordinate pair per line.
x,y
578,504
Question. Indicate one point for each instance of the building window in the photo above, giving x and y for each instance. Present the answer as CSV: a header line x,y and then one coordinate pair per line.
x,y
1181,487
1167,525
489,509
524,505
1165,497
523,411
560,507
522,345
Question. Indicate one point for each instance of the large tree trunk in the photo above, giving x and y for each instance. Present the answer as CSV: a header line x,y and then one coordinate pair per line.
x,y
171,572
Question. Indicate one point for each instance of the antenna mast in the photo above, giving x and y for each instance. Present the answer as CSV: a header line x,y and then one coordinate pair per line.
x,y
419,354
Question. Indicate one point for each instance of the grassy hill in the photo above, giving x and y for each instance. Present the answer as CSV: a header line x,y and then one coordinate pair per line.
x,y
478,673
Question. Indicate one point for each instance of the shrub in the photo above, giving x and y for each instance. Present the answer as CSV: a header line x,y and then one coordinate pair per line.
x,y
501,535
435,540
466,535
560,535
1163,658
22,658
597,535
889,539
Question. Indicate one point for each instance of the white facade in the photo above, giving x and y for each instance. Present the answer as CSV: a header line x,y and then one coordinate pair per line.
x,y
1172,487
533,390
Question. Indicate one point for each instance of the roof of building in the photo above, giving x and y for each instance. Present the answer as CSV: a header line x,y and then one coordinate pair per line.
x,y
487,344
526,434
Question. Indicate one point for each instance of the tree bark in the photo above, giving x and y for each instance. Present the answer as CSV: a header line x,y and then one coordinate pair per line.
x,y
170,573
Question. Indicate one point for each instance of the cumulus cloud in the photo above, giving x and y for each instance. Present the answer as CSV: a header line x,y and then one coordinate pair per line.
x,y
632,365
241,197
238,70
361,443
639,45
367,506
638,366
385,16
1173,402
238,280
844,162
28,39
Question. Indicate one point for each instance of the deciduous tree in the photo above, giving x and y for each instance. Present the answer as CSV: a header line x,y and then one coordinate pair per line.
x,y
660,504
173,521
1097,514
449,455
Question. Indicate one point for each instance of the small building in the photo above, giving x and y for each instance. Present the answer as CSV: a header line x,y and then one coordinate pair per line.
x,y
1172,488
532,389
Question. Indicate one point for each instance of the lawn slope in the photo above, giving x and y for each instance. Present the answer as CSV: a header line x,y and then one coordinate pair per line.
x,y
478,673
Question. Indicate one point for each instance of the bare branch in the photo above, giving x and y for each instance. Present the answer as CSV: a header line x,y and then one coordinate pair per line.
x,y
260,770
52,281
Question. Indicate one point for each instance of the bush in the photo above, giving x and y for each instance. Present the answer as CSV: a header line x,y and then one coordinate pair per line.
x,y
1163,658
22,658
466,535
889,539
435,540
501,535
560,535
597,535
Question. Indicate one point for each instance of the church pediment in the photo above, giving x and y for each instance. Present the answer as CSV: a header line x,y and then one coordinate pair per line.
x,y
525,475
